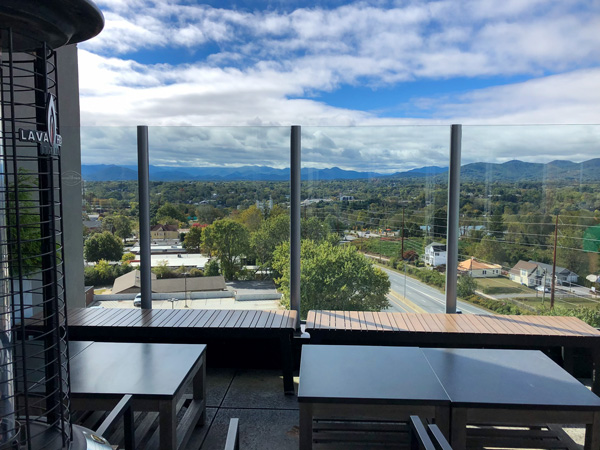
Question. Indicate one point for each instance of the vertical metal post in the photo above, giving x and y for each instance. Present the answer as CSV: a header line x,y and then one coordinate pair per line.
x,y
295,148
453,208
144,196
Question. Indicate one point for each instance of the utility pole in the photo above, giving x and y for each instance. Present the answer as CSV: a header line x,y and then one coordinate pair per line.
x,y
554,265
402,246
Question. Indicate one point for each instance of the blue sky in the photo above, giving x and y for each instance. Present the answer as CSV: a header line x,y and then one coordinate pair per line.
x,y
344,63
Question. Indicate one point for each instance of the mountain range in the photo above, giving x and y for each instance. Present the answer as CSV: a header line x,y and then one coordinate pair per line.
x,y
511,171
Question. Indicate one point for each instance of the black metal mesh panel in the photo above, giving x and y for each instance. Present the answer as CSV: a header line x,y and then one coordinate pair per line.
x,y
34,382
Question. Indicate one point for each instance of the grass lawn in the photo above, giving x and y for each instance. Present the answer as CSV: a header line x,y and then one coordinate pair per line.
x,y
389,249
502,285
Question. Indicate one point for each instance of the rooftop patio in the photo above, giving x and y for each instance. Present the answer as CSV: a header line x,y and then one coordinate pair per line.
x,y
268,419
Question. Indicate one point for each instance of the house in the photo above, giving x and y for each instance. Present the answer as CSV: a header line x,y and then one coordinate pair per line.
x,y
478,269
563,276
164,232
533,273
527,273
435,254
130,284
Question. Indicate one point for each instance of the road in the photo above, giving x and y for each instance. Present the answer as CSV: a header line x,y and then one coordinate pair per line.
x,y
420,297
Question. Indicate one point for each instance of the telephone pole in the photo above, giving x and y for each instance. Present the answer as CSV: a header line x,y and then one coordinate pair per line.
x,y
402,245
554,265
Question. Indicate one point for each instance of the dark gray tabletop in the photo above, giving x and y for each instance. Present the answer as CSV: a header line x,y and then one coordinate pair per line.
x,y
145,370
507,378
363,374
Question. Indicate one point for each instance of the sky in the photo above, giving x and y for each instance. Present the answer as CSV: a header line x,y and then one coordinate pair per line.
x,y
374,84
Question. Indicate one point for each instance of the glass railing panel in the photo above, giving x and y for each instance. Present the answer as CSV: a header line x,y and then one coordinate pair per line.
x,y
231,181
373,200
530,210
227,191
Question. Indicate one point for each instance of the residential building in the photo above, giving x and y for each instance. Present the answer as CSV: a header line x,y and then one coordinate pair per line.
x,y
563,276
478,269
164,232
435,254
533,273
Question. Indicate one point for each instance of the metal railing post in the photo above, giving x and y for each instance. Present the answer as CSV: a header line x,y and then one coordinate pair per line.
x,y
144,210
453,208
295,150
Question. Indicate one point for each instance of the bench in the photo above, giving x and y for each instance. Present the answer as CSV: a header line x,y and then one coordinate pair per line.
x,y
457,330
191,326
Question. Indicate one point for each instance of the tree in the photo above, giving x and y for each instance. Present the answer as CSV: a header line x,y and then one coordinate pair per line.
x,y
491,250
466,286
122,226
229,240
103,246
314,228
211,269
162,270
272,233
251,218
333,277
170,210
496,224
193,240
127,257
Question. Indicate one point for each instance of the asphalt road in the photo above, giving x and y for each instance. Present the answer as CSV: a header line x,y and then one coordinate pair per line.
x,y
420,297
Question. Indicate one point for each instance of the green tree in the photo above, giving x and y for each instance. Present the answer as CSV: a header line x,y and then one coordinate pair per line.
x,y
466,286
193,240
162,271
103,246
333,277
314,229
211,269
123,227
251,218
496,224
127,257
272,233
491,250
229,240
170,210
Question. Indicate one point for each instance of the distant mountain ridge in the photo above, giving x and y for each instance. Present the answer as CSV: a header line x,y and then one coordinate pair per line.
x,y
511,171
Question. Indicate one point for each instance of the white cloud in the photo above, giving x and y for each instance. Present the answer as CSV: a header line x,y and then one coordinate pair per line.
x,y
270,67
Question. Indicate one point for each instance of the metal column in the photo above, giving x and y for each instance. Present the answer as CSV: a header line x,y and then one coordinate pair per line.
x,y
453,208
144,198
295,148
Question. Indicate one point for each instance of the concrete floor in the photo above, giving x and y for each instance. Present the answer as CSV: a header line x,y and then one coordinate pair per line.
x,y
268,418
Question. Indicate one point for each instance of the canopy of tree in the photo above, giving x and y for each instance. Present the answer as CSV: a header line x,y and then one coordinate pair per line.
x,y
333,277
103,246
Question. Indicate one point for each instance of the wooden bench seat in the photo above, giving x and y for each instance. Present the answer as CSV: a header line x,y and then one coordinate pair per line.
x,y
186,326
456,330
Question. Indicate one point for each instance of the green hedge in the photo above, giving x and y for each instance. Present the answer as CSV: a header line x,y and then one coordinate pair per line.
x,y
501,290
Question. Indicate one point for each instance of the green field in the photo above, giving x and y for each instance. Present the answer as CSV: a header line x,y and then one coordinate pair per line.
x,y
502,285
389,248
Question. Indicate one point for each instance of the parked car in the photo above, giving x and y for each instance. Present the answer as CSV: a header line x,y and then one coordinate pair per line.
x,y
543,289
137,301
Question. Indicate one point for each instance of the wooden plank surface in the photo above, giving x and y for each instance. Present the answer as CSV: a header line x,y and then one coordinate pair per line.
x,y
185,318
391,322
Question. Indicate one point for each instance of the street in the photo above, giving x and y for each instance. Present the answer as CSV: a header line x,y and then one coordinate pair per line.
x,y
420,297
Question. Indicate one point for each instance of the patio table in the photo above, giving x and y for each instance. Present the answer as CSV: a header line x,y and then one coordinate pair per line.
x,y
368,384
511,387
154,374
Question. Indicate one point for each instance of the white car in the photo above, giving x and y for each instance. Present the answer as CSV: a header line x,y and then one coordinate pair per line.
x,y
543,289
137,301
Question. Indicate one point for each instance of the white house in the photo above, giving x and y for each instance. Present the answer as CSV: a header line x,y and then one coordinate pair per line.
x,y
478,269
435,254
533,273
